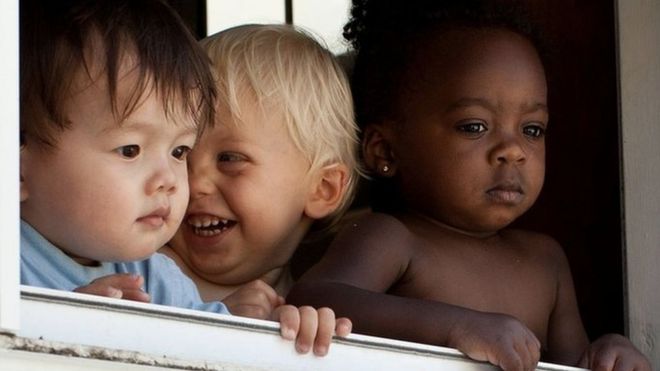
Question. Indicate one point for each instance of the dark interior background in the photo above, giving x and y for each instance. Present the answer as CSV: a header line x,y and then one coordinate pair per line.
x,y
580,205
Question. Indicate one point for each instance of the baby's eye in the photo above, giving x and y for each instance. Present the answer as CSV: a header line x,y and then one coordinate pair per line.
x,y
230,157
534,131
472,127
129,151
232,163
180,152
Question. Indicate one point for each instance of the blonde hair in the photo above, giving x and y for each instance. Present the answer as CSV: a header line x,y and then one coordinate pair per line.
x,y
284,67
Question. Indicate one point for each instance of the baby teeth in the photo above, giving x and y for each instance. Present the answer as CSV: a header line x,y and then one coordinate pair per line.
x,y
208,225
207,233
206,221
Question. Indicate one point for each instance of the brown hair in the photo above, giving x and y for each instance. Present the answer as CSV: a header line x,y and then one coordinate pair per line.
x,y
56,37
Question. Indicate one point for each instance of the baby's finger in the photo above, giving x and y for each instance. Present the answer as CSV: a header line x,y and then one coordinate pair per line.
x,y
526,355
536,343
343,327
623,364
289,319
100,290
308,326
121,280
136,295
585,359
508,360
603,361
534,352
532,349
326,328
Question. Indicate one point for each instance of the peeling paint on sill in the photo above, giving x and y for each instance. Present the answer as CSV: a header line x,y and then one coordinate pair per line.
x,y
11,342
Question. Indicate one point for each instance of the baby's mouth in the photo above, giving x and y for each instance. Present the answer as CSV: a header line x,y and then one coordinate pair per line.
x,y
208,225
508,193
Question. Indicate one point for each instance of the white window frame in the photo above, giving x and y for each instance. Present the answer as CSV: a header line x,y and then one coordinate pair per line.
x,y
638,31
138,335
9,186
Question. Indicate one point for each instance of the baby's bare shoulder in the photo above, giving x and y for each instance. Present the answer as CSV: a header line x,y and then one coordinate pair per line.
x,y
379,219
378,226
371,251
374,233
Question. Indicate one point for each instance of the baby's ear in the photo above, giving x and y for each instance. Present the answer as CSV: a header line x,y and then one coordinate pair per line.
x,y
24,190
327,190
377,152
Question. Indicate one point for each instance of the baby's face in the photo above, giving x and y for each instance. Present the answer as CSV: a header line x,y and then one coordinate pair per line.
x,y
472,151
248,188
110,192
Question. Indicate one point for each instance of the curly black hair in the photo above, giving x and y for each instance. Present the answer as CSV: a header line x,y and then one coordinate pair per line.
x,y
385,34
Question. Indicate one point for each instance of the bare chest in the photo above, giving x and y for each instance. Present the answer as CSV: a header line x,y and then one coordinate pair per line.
x,y
491,279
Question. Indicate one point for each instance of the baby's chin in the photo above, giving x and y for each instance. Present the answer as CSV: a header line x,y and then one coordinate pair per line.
x,y
225,279
137,252
226,271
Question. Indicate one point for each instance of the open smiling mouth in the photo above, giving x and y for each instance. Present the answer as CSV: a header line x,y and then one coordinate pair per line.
x,y
209,226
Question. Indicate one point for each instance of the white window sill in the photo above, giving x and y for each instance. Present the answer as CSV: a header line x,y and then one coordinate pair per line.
x,y
63,330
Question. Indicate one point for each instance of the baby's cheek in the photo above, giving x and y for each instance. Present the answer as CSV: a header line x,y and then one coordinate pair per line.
x,y
178,207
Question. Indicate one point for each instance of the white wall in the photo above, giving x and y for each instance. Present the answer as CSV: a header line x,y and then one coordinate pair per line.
x,y
325,18
639,68
9,214
222,14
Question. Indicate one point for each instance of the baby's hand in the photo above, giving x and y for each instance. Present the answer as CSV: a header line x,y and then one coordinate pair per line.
x,y
255,300
121,286
311,328
614,352
499,339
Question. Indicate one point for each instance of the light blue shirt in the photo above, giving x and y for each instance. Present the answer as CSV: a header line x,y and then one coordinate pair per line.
x,y
44,265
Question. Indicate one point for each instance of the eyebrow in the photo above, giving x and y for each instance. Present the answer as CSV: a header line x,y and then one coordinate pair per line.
x,y
469,102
